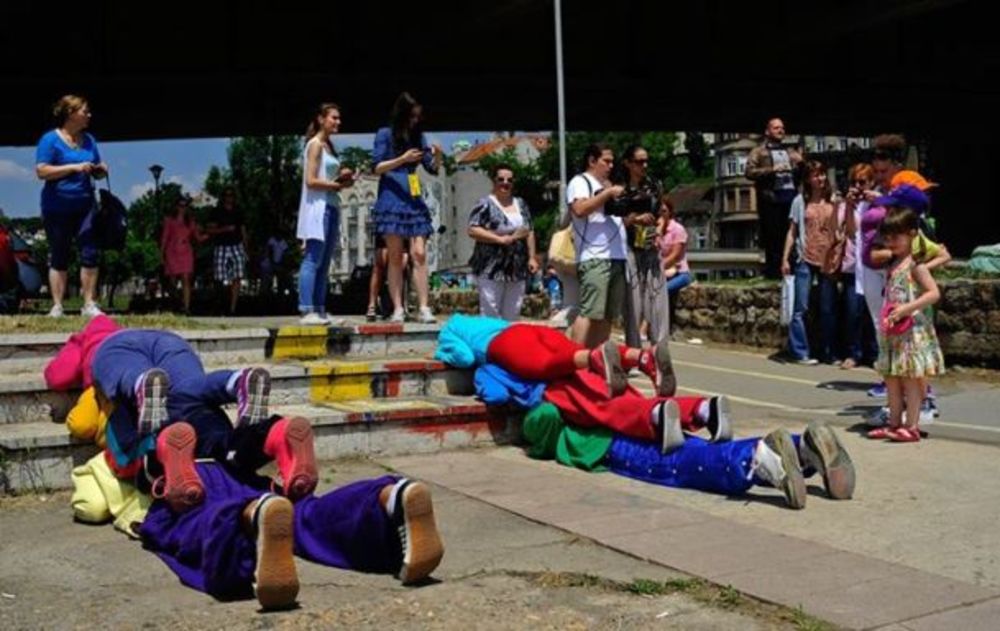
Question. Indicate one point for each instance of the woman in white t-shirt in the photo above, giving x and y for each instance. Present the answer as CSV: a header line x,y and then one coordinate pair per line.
x,y
504,255
600,247
319,212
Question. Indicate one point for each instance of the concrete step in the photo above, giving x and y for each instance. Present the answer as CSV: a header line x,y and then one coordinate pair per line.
x,y
40,455
25,399
242,346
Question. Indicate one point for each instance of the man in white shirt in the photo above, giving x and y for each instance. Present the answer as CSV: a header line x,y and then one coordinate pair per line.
x,y
601,248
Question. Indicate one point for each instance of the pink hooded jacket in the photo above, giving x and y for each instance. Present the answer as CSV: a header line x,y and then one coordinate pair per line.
x,y
70,368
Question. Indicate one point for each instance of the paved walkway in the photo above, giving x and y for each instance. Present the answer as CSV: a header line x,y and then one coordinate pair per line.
x,y
836,560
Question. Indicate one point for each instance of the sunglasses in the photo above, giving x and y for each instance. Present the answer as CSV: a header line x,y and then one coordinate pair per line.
x,y
643,162
504,180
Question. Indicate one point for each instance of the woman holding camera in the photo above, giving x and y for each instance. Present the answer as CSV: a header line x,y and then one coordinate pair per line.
x,y
504,256
66,159
645,311
400,212
319,211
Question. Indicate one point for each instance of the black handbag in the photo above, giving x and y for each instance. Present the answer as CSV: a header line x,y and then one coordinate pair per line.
x,y
110,221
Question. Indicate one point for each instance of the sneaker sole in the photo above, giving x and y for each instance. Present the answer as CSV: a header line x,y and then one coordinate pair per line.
x,y
276,579
152,403
303,476
184,489
614,374
834,463
672,436
724,428
794,485
666,380
258,392
424,548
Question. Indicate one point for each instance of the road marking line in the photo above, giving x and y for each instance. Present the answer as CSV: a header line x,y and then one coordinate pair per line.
x,y
753,402
747,373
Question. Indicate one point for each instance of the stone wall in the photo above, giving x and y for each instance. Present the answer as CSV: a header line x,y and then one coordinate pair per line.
x,y
967,317
447,301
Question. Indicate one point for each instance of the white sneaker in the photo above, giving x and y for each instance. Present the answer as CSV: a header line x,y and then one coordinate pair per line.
x,y
313,319
426,316
56,311
91,310
398,316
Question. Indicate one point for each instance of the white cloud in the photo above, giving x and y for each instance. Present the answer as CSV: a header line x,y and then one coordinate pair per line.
x,y
138,190
10,170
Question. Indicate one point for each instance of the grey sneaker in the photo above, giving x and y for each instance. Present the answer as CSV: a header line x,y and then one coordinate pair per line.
x,y
151,400
777,462
719,424
56,311
605,361
822,450
667,421
666,380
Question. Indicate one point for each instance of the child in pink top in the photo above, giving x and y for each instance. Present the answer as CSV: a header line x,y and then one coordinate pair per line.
x,y
672,242
175,246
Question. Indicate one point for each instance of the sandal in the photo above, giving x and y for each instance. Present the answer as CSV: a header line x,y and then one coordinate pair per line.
x,y
371,315
905,435
881,432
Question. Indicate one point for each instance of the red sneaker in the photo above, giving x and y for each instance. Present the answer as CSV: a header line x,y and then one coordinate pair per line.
x,y
290,443
180,484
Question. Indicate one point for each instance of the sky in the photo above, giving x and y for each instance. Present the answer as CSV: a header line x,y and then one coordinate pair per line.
x,y
185,162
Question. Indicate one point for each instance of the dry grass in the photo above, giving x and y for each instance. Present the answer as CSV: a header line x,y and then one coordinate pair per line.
x,y
19,324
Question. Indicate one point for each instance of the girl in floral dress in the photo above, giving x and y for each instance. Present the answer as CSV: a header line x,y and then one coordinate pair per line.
x,y
909,352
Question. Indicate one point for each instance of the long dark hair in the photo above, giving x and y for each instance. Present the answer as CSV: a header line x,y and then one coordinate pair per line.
x,y
314,125
399,122
620,173
187,210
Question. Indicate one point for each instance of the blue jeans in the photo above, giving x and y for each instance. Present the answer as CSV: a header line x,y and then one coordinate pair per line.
x,y
677,283
798,336
314,273
853,304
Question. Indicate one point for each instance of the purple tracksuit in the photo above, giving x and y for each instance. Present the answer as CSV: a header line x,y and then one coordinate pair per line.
x,y
209,549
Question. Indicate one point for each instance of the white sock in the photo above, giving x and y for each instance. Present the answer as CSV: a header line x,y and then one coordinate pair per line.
x,y
654,415
233,378
396,488
766,464
703,411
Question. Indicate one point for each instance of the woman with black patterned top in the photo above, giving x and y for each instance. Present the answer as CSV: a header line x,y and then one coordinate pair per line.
x,y
638,205
504,255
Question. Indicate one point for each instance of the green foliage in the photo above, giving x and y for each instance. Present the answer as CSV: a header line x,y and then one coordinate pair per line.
x,y
698,153
267,175
358,158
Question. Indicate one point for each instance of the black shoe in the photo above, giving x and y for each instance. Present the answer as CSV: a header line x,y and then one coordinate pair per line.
x,y
413,514
719,425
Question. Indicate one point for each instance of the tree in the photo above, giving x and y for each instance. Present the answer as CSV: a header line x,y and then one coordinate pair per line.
x,y
358,158
697,153
266,173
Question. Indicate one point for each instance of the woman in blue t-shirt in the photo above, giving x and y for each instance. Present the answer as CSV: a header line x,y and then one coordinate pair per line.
x,y
67,158
400,212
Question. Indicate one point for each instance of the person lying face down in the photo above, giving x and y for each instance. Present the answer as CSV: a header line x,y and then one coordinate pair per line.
x,y
238,541
779,459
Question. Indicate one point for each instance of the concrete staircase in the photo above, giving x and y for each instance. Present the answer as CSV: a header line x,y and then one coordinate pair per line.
x,y
368,390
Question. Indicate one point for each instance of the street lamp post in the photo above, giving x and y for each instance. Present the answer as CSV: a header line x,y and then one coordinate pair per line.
x,y
157,171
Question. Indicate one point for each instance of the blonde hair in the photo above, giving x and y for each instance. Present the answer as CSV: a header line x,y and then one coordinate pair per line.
x,y
69,104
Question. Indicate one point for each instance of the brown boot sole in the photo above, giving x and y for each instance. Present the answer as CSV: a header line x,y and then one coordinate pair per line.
x,y
277,582
303,476
424,547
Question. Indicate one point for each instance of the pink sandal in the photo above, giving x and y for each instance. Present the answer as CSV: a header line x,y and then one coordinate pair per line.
x,y
880,433
905,435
